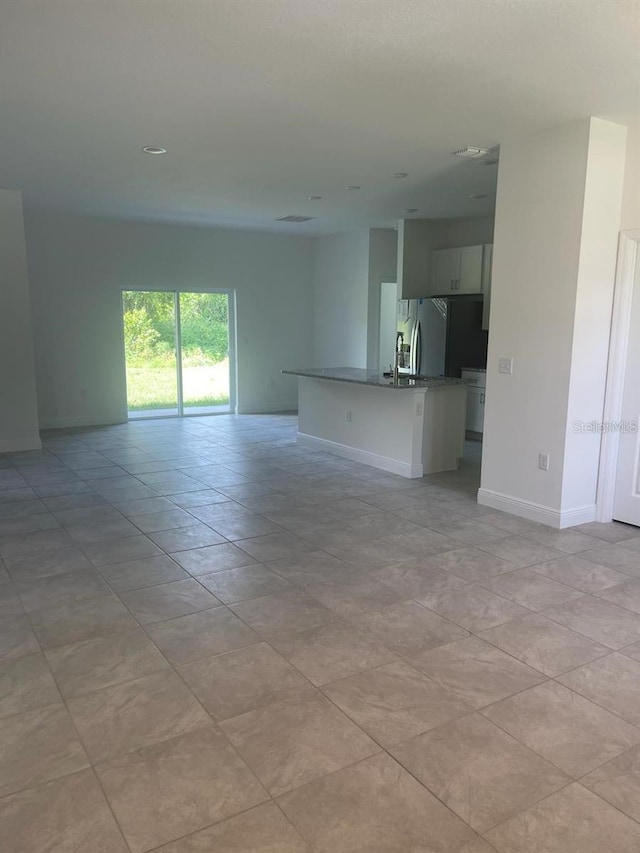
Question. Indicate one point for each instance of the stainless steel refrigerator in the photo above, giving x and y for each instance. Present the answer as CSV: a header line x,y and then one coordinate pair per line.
x,y
440,336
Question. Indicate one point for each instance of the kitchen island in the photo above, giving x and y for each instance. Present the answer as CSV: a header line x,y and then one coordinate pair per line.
x,y
413,428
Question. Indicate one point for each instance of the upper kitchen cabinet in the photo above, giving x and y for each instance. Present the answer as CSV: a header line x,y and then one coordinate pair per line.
x,y
455,271
427,269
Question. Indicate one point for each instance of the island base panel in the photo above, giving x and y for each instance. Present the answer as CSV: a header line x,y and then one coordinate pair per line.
x,y
411,433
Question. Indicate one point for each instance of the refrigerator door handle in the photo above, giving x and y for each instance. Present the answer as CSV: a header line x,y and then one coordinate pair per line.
x,y
416,348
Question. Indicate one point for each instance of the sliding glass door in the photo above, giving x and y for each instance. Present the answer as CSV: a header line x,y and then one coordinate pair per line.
x,y
204,346
179,352
150,346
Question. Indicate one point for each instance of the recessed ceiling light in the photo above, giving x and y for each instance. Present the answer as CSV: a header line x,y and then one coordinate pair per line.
x,y
478,195
411,210
352,187
471,153
154,149
314,197
400,175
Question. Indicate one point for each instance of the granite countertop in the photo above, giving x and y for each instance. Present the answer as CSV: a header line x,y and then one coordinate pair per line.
x,y
373,377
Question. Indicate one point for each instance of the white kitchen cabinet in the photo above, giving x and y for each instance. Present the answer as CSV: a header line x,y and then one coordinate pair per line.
x,y
443,273
468,264
476,382
487,262
456,271
475,409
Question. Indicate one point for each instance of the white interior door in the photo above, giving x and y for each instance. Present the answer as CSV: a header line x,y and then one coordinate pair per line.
x,y
626,505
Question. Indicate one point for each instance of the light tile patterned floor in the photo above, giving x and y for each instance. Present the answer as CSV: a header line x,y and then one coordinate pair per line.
x,y
212,640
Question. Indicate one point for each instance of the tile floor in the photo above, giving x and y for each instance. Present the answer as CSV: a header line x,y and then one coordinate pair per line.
x,y
211,640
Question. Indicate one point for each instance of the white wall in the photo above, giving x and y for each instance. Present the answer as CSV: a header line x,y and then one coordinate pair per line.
x,y
557,216
630,217
383,251
416,240
340,300
453,233
594,302
388,325
78,267
18,405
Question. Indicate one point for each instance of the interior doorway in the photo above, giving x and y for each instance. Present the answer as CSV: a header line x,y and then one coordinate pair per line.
x,y
179,352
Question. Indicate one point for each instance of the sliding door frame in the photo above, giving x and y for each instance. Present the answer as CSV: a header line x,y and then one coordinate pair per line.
x,y
233,365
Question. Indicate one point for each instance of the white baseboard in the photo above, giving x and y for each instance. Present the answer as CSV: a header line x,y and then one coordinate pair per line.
x,y
393,466
537,512
65,423
580,515
15,445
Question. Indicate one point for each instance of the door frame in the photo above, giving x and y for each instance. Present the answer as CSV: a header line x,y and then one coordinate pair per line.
x,y
626,269
233,336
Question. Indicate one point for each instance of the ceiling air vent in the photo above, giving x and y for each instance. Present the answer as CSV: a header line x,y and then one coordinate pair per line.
x,y
292,218
471,153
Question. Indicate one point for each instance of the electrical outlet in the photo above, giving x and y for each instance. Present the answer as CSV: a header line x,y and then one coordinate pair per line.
x,y
419,407
505,365
347,417
543,461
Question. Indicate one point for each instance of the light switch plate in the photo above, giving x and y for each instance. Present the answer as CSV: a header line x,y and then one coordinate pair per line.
x,y
505,365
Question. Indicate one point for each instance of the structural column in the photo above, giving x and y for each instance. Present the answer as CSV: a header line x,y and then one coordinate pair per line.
x,y
557,223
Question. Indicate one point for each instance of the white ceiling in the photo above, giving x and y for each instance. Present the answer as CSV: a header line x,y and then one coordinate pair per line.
x,y
262,103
